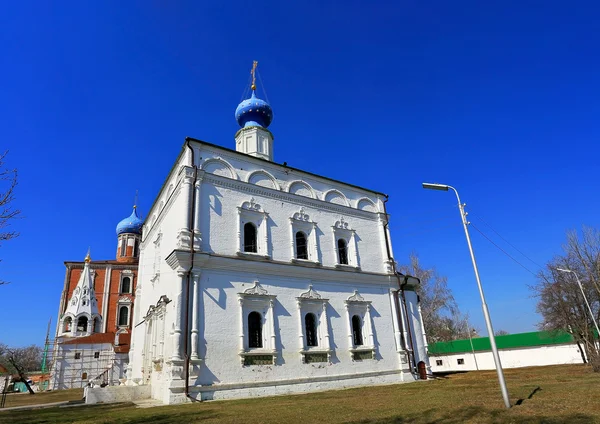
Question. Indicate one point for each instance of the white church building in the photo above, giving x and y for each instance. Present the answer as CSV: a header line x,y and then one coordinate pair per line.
x,y
256,278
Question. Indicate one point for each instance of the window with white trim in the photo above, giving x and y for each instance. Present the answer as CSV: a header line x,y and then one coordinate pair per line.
x,y
314,330
303,237
123,316
361,342
257,327
344,241
253,232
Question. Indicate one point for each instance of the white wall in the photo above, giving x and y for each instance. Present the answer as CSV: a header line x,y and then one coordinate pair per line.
x,y
510,358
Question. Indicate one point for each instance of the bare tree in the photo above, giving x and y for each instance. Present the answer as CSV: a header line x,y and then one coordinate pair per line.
x,y
21,360
560,301
501,333
8,179
442,319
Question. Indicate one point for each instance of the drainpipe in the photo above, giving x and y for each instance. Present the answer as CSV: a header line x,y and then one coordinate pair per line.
x,y
192,212
402,281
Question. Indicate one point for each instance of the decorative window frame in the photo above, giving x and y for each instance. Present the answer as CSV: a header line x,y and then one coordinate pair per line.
x,y
300,221
126,273
252,212
156,262
312,302
357,305
342,230
125,302
153,354
257,299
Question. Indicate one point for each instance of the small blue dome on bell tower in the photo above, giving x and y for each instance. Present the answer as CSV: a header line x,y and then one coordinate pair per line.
x,y
132,224
254,112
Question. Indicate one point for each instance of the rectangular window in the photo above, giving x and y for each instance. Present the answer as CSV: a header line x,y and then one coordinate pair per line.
x,y
78,355
438,362
96,355
460,361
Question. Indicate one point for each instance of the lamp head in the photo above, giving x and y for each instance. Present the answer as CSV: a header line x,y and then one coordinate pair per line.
x,y
432,186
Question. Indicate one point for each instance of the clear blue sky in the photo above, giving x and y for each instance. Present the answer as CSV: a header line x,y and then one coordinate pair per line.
x,y
500,100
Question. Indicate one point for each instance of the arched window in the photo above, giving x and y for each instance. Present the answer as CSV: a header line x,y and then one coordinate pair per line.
x,y
136,248
357,331
126,285
250,238
301,246
123,246
255,330
84,376
67,324
342,252
82,324
123,316
310,322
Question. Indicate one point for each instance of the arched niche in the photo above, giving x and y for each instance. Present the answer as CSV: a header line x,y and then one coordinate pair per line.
x,y
264,179
218,166
366,204
335,196
301,189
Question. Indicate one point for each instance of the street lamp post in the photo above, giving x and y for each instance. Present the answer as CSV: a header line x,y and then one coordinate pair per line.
x,y
584,296
486,313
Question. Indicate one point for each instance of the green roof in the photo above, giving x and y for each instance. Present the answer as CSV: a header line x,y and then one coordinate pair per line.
x,y
509,341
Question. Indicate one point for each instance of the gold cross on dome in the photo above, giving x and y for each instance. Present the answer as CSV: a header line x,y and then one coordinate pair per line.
x,y
253,73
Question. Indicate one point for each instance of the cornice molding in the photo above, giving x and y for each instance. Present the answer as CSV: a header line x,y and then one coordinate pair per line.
x,y
288,197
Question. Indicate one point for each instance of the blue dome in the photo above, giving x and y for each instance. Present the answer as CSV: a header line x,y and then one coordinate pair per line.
x,y
254,112
132,224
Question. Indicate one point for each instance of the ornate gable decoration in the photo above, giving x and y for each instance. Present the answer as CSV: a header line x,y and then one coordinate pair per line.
x,y
256,290
252,206
342,224
301,216
160,306
312,294
357,298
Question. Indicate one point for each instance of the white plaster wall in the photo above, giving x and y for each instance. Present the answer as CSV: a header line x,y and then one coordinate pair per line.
x,y
416,328
510,358
219,330
219,227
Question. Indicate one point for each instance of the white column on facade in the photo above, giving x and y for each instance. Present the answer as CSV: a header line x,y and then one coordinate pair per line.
x,y
195,314
196,230
292,239
105,295
314,251
335,247
161,351
266,234
395,323
404,321
354,248
384,249
186,191
272,323
325,326
349,325
370,326
239,232
300,332
242,347
387,229
422,326
179,317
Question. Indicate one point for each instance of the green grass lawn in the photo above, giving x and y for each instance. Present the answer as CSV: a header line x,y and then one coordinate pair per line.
x,y
565,394
22,399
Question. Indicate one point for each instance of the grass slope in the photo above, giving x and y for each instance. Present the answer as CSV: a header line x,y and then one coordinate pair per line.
x,y
558,394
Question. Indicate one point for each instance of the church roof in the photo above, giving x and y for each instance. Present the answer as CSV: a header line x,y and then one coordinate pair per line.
x,y
132,224
254,112
83,299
